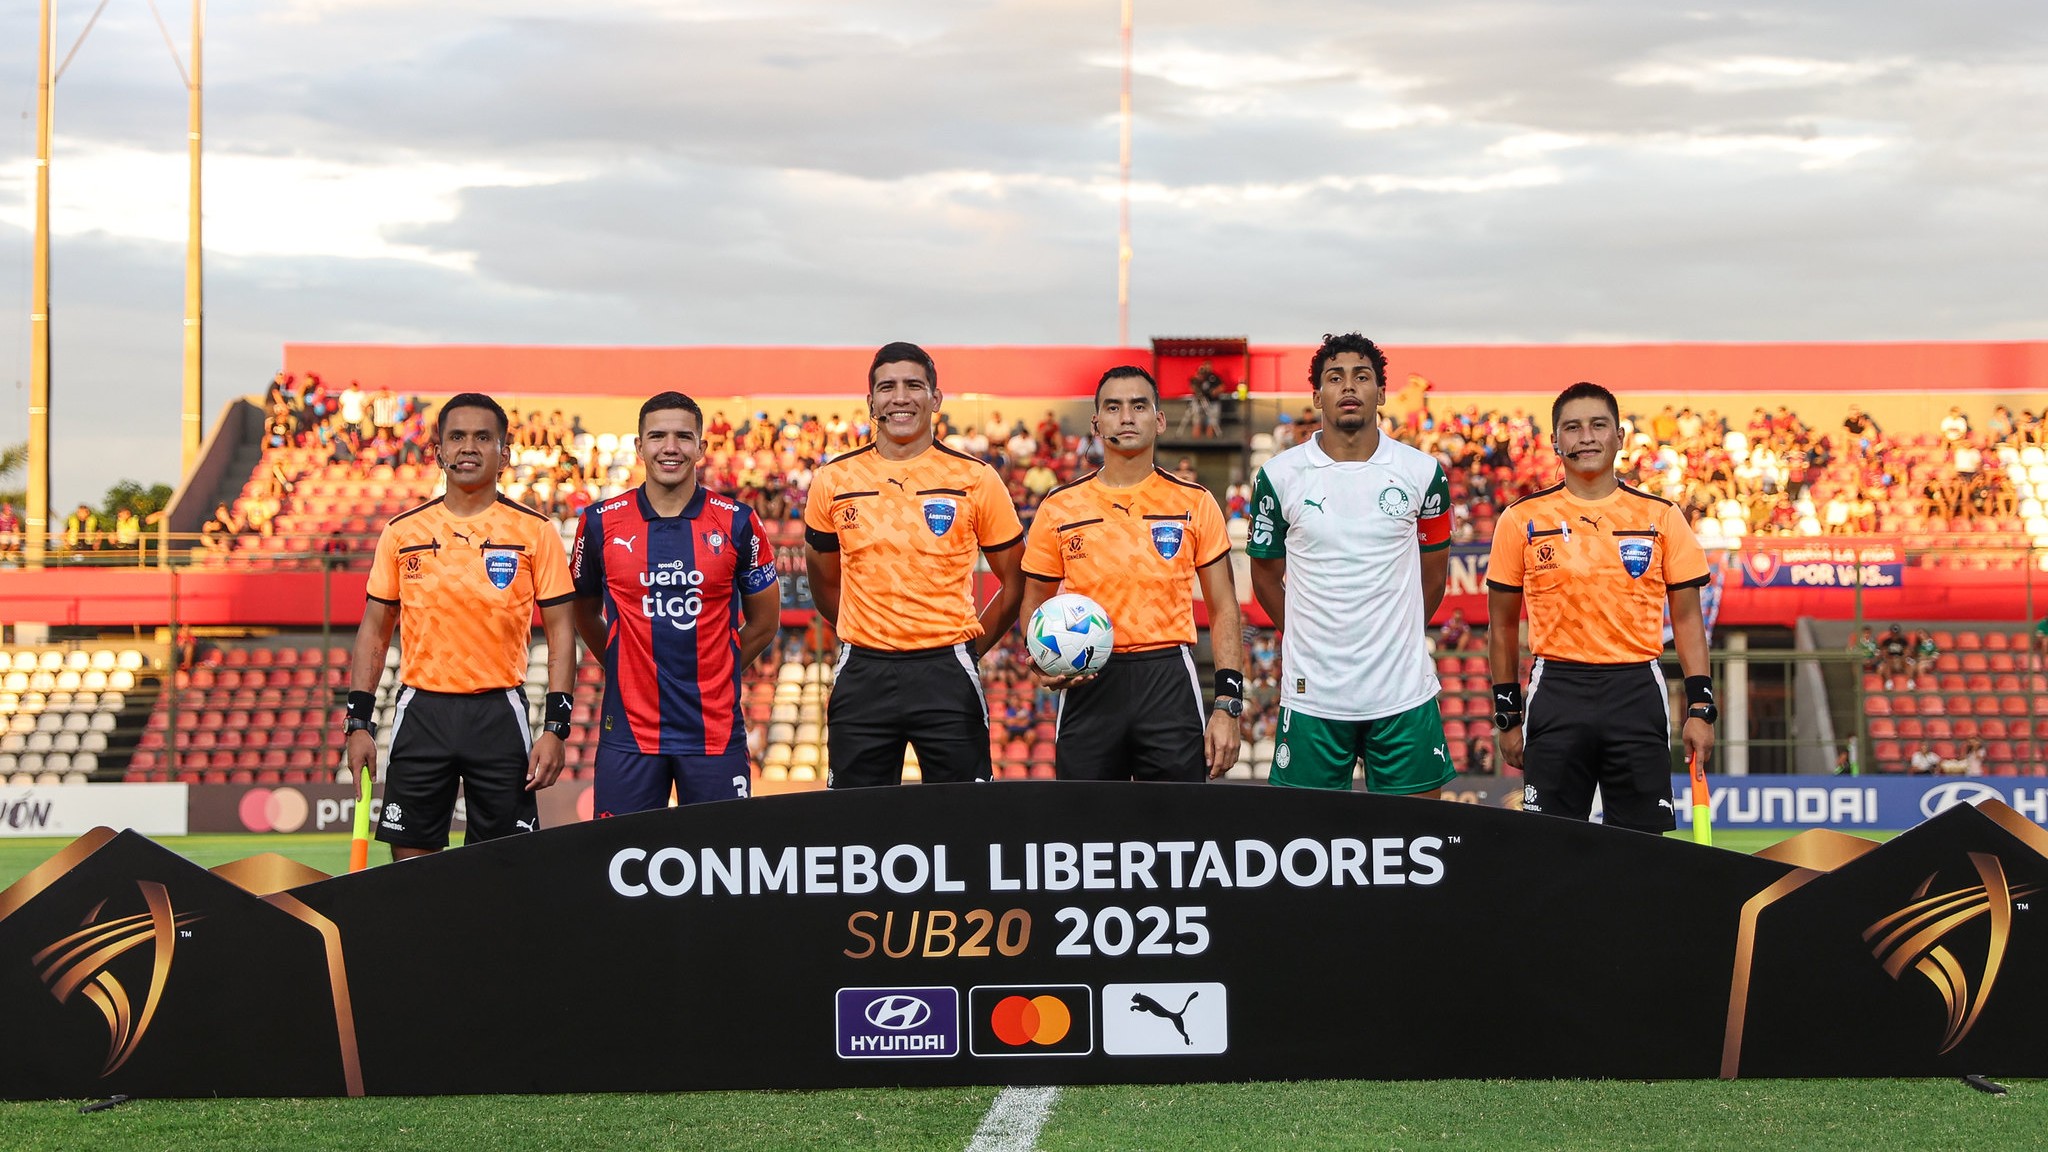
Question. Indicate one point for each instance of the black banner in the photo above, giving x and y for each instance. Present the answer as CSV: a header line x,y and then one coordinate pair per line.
x,y
1039,933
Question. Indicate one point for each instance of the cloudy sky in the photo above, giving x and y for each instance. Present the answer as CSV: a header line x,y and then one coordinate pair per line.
x,y
851,171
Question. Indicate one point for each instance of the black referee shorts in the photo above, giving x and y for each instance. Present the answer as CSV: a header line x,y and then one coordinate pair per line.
x,y
1140,718
930,700
1604,725
441,739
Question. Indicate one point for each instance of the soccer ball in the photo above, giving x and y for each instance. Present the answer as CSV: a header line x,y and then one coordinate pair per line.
x,y
1069,635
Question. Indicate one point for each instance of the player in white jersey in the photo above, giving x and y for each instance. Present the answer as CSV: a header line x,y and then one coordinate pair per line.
x,y
1350,546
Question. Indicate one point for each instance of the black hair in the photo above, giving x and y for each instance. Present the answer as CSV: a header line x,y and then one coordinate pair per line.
x,y
1584,391
670,402
1348,342
473,400
1123,370
903,350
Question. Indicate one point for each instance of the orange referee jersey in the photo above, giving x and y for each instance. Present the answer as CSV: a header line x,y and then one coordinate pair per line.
x,y
466,588
1594,574
908,534
1132,550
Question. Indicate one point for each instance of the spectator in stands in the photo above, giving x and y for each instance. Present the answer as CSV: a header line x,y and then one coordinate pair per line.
x,y
1955,425
1040,479
2040,641
218,534
82,530
1479,757
1845,761
718,437
1969,763
1050,438
1862,429
334,550
1925,653
355,409
1186,470
10,531
127,530
1453,636
1998,430
1864,645
1925,759
1898,663
384,412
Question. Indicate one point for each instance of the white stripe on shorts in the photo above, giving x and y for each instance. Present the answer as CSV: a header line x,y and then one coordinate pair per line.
x,y
517,697
963,651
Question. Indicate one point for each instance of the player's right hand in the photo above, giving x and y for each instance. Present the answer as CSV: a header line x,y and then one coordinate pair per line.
x,y
1058,683
360,754
1510,743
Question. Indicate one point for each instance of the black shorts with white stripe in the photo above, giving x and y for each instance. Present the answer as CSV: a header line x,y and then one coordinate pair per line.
x,y
1604,725
930,700
1140,718
441,739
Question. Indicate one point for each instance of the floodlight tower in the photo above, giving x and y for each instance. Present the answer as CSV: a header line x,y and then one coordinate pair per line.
x,y
36,516
1123,209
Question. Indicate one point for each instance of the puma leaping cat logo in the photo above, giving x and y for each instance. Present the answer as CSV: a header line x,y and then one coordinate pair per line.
x,y
1143,1003
1315,504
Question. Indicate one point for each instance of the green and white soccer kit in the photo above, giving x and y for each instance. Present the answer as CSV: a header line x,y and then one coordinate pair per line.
x,y
1356,678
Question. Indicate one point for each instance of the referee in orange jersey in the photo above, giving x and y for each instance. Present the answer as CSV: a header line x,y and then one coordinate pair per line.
x,y
1596,561
461,576
1134,539
892,531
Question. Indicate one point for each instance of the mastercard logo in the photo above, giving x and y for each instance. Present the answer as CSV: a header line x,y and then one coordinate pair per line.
x,y
1041,1020
1031,1020
274,810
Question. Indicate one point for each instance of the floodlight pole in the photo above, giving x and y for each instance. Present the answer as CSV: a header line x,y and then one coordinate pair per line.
x,y
195,323
37,515
1123,209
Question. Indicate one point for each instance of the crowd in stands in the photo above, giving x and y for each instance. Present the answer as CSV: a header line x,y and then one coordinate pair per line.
x,y
1773,475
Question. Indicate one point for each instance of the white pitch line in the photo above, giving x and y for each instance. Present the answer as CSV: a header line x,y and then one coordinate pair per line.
x,y
1013,1120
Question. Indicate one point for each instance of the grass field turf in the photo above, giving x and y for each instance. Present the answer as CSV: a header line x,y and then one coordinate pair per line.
x,y
1897,1114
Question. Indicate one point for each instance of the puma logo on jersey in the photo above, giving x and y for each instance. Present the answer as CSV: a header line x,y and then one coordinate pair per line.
x,y
1591,521
1315,504
626,542
898,484
458,536
1143,1003
1123,508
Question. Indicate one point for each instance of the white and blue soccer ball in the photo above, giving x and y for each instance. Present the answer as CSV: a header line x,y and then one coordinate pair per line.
x,y
1069,635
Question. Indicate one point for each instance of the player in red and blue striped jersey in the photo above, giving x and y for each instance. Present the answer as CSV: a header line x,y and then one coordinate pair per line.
x,y
676,587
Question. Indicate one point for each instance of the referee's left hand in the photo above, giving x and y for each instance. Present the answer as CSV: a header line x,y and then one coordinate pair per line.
x,y
1222,739
544,763
1699,740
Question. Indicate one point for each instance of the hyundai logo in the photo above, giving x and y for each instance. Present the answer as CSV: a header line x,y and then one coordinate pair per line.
x,y
898,1013
1943,797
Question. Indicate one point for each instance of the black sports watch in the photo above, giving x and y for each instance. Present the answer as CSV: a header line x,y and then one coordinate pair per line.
x,y
353,725
1231,706
1708,712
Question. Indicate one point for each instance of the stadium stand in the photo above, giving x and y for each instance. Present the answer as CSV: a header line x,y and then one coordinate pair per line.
x,y
62,710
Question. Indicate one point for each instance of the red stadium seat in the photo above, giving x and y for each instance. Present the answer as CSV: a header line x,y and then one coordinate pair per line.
x,y
235,657
1997,642
1878,706
1977,682
1937,728
1909,728
1948,662
2003,662
1951,682
2017,706
1966,642
1451,706
1882,728
1043,772
1986,705
1975,662
1963,727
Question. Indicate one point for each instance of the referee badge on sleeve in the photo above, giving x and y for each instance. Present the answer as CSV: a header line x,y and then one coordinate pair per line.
x,y
1635,556
501,567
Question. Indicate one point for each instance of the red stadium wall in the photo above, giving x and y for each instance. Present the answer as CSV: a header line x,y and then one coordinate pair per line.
x,y
1696,370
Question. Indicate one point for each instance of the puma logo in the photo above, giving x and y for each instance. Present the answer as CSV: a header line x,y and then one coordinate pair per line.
x,y
1591,521
898,484
458,536
527,825
1123,508
1315,504
626,542
1143,1003
1440,754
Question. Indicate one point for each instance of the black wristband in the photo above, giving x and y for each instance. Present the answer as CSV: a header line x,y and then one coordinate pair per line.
x,y
1699,690
1229,682
1508,697
559,708
362,706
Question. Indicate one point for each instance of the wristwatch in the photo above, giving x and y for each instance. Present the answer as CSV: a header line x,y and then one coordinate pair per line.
x,y
1707,712
353,725
1231,706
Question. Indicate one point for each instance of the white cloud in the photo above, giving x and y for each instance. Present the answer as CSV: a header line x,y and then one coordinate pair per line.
x,y
1756,73
262,205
